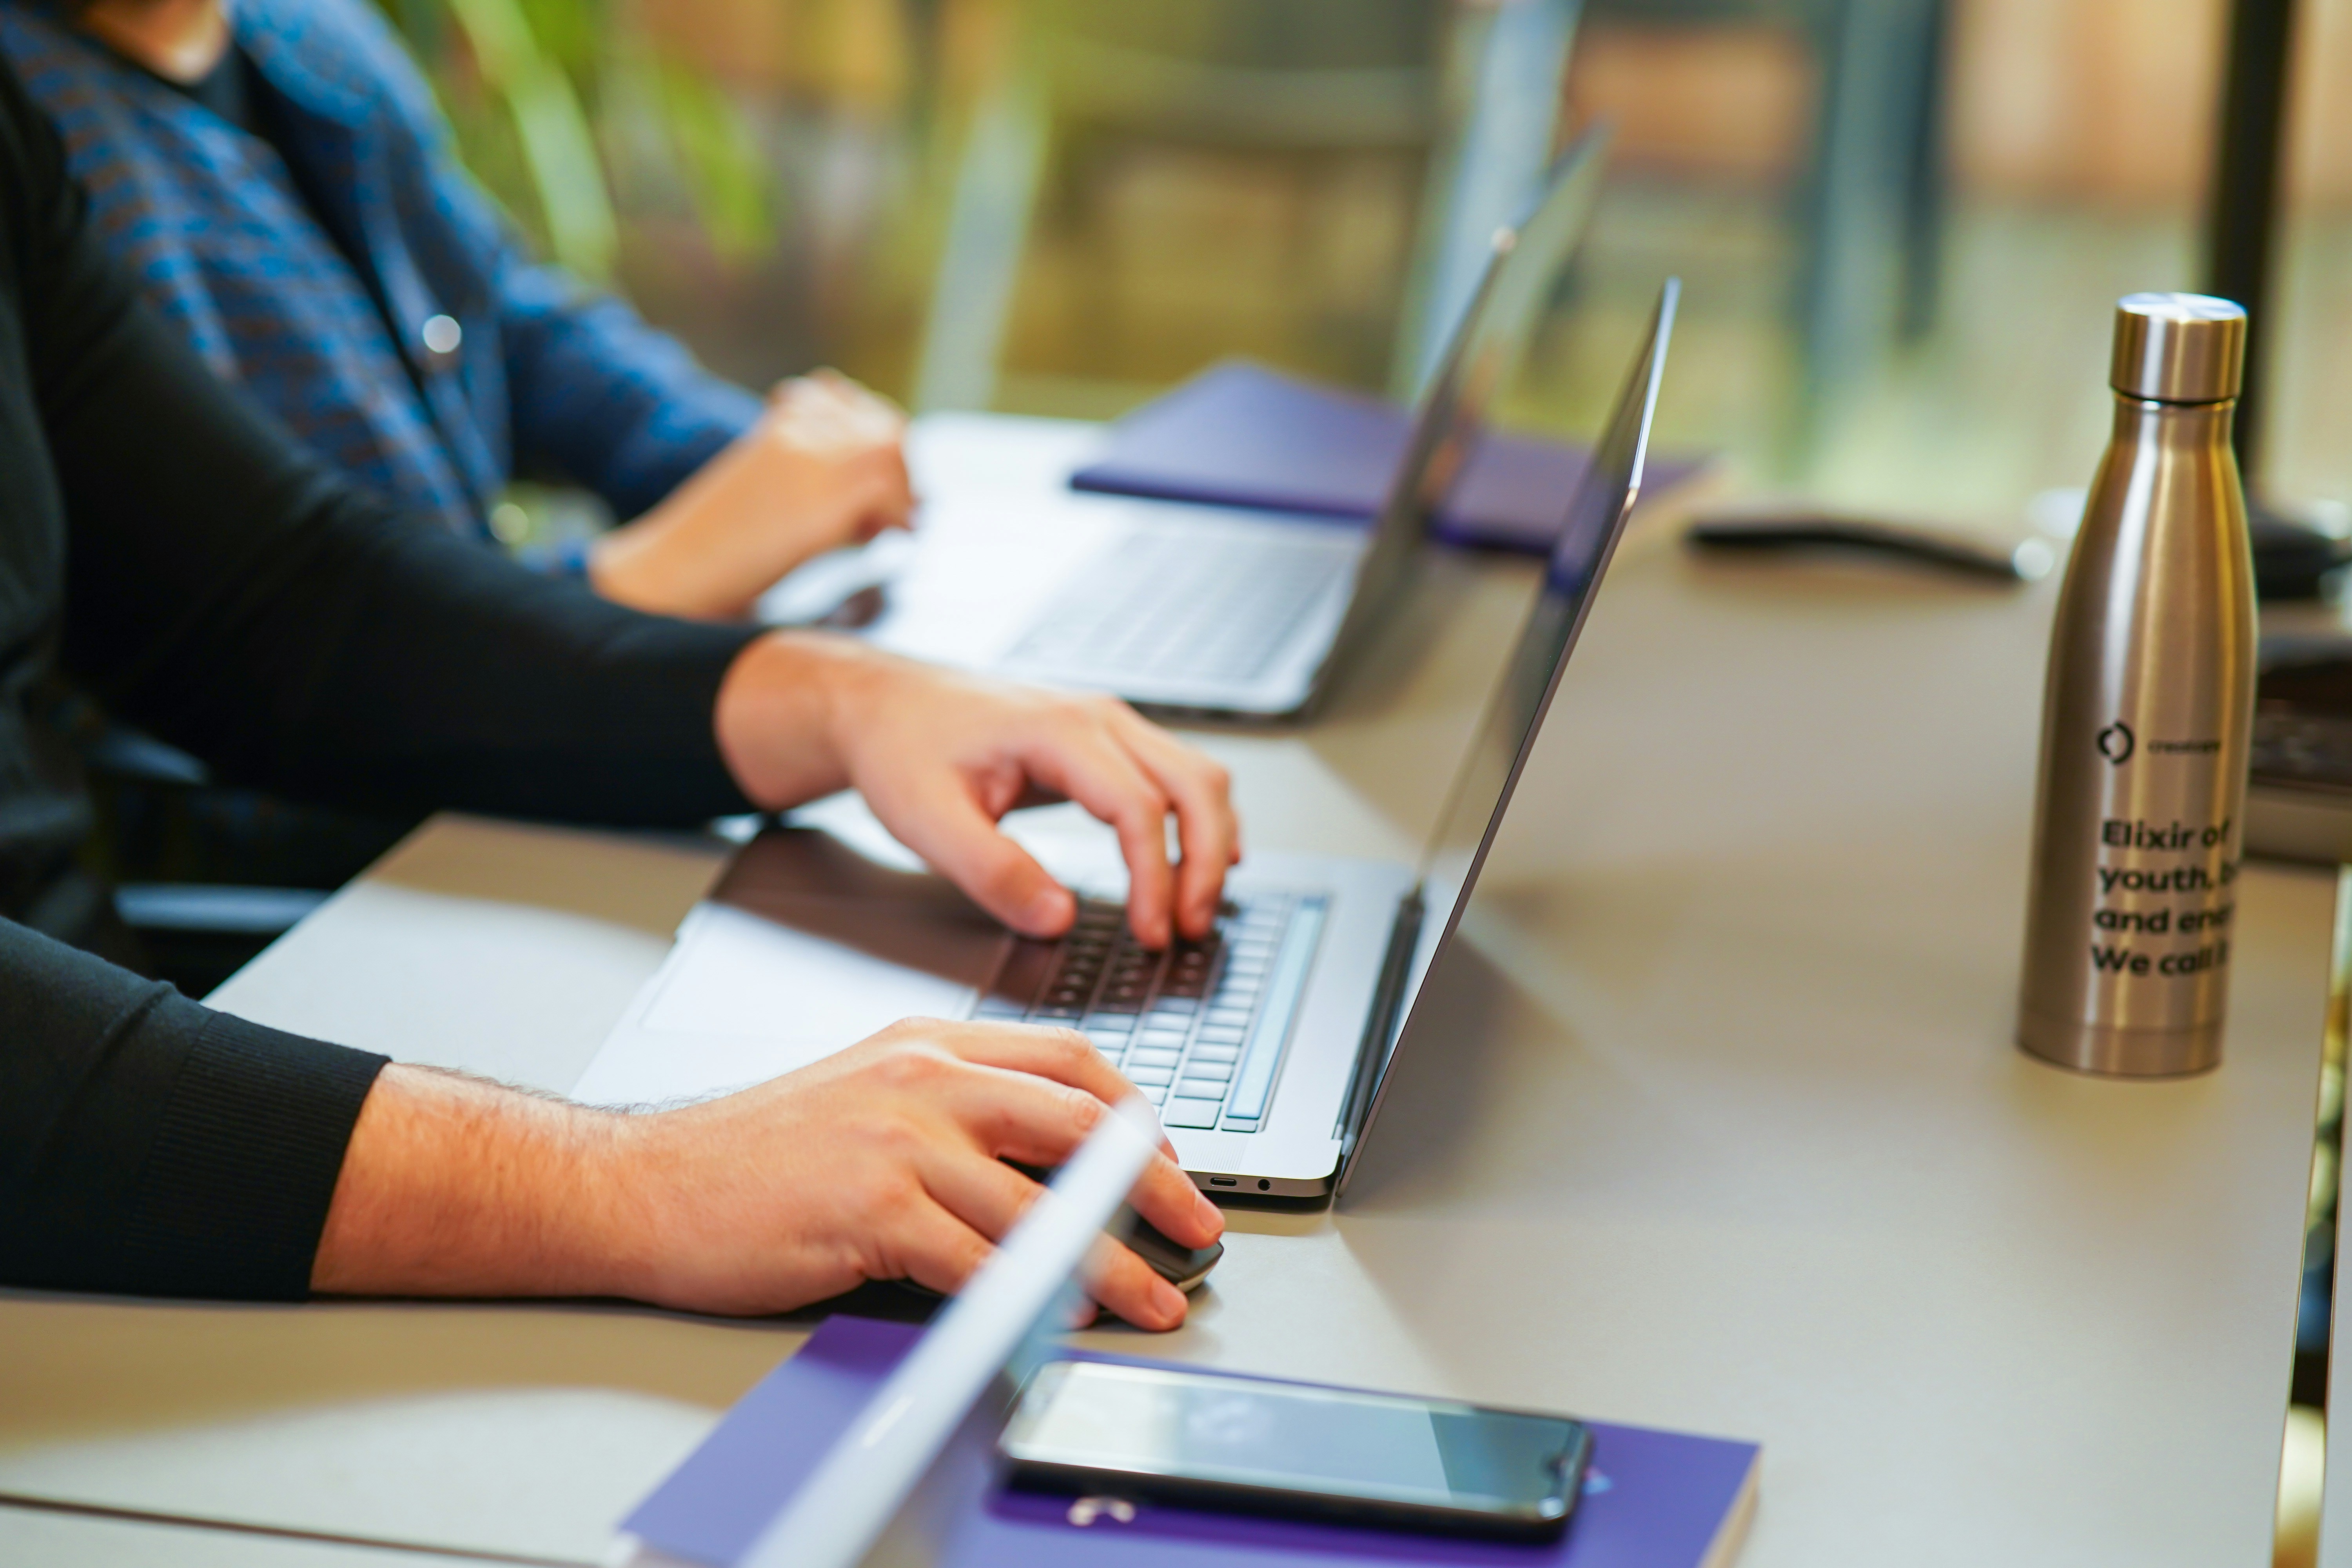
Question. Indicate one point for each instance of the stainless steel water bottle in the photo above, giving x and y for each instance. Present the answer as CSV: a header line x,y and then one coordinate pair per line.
x,y
2145,717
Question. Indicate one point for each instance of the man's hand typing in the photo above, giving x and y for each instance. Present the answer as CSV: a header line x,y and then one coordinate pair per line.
x,y
941,756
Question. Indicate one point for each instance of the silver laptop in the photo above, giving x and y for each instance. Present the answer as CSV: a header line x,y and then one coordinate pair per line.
x,y
1264,1046
1227,611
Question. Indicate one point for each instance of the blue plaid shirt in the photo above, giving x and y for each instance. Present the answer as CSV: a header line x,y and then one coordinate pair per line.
x,y
545,374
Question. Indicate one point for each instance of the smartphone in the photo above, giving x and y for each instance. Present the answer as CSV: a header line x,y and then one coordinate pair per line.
x,y
1239,1442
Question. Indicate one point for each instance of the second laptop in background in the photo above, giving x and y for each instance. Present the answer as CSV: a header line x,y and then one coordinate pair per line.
x,y
1226,611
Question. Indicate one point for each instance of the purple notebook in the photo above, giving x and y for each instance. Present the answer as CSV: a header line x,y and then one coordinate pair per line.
x,y
1653,1500
1241,435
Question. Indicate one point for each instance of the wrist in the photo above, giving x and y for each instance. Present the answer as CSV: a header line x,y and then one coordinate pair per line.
x,y
620,1180
789,711
452,1186
632,566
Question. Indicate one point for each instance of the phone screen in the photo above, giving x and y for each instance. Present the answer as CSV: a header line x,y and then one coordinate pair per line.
x,y
1151,1421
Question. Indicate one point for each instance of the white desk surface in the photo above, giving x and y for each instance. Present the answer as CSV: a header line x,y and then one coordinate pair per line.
x,y
1728,1135
31,1536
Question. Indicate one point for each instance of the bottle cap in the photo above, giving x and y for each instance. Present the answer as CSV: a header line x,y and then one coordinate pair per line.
x,y
2178,348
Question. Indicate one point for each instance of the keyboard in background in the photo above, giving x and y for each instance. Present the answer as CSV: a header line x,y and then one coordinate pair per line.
x,y
1168,608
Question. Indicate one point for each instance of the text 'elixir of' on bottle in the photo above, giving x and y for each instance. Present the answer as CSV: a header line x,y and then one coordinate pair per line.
x,y
2130,920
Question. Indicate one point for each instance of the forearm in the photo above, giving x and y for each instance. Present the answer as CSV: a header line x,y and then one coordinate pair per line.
x,y
299,639
695,553
601,396
452,1186
229,594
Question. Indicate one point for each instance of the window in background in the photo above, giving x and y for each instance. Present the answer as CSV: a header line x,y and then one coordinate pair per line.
x,y
2307,453
1905,227
1902,223
1219,177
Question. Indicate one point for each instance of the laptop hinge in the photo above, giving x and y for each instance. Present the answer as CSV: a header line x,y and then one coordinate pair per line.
x,y
1371,1056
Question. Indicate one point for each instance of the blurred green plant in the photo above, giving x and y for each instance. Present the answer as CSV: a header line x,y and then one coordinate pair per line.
x,y
543,93
724,176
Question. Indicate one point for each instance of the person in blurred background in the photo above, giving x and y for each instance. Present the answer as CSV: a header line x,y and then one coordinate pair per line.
x,y
281,184
280,181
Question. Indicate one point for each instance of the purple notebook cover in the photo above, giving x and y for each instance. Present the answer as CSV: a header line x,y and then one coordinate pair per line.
x,y
1241,435
1654,1500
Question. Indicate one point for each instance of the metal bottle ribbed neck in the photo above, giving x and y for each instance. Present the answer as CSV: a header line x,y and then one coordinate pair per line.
x,y
2178,348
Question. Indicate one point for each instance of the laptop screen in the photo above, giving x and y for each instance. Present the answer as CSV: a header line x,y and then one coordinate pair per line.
x,y
1479,361
1492,336
1482,789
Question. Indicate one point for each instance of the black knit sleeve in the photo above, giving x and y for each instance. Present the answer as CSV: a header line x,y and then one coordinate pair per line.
x,y
231,595
168,545
149,1144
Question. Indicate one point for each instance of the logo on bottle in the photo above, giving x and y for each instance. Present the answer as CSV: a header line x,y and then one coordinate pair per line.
x,y
2115,743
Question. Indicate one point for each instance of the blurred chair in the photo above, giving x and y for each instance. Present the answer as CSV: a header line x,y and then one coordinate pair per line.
x,y
1281,77
206,875
198,935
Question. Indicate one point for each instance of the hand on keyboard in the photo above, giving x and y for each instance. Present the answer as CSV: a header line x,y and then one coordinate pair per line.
x,y
941,756
1197,1028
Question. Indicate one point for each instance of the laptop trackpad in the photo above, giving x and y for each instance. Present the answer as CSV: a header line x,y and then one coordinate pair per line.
x,y
824,980
803,949
806,947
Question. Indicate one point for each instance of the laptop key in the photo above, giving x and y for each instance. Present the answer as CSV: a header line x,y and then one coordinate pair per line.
x,y
1022,974
1140,1008
1186,1112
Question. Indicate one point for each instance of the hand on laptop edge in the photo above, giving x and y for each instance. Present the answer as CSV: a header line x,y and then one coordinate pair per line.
x,y
884,1161
941,756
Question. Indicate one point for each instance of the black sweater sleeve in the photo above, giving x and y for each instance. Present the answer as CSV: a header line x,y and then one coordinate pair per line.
x,y
240,600
149,1144
165,543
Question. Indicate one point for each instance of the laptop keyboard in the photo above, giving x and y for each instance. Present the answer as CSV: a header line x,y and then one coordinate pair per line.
x,y
1199,1026
1168,608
